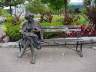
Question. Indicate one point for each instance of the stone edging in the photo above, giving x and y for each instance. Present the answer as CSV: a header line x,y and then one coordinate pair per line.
x,y
9,45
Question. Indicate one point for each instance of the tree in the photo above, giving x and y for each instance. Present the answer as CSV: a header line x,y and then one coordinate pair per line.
x,y
91,13
57,5
11,3
36,7
87,2
66,17
1,3
54,4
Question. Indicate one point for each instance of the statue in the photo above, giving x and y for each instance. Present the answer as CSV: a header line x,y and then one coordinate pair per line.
x,y
29,37
30,32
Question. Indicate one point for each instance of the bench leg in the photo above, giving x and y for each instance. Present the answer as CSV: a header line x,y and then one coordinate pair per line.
x,y
33,54
81,54
77,46
65,44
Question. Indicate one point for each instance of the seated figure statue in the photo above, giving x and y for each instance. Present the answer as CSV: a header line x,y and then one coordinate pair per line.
x,y
30,35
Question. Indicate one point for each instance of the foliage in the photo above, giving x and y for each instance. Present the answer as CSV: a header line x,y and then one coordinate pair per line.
x,y
12,30
51,24
80,19
86,30
4,12
58,20
54,4
68,21
11,2
87,2
84,11
0,11
36,7
92,16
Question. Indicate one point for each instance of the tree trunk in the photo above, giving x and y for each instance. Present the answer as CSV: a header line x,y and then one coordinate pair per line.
x,y
10,9
65,10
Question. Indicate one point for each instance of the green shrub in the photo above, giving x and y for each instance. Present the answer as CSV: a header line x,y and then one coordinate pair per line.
x,y
9,19
80,19
0,11
45,24
83,20
68,21
57,18
12,30
4,12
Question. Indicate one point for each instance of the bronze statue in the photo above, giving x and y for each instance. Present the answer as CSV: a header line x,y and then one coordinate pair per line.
x,y
29,37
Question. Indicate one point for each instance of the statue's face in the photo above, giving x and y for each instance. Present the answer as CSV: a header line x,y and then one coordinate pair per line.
x,y
30,19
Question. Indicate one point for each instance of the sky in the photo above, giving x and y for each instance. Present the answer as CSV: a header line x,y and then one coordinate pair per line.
x,y
76,1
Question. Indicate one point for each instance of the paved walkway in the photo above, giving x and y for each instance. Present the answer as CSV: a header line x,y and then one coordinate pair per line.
x,y
56,59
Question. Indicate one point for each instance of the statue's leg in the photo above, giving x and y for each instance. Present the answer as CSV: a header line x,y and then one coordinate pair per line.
x,y
24,49
32,48
33,53
20,45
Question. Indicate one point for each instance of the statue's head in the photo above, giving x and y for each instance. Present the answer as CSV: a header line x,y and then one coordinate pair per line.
x,y
29,17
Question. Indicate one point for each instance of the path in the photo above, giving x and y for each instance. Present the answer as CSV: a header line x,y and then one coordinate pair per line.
x,y
55,59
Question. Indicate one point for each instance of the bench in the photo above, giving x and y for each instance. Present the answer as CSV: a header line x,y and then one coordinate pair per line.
x,y
58,29
62,41
78,41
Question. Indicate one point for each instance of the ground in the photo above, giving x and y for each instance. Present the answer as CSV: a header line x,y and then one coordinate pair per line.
x,y
49,59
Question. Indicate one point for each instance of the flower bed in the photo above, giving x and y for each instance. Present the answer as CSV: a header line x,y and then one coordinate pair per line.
x,y
85,31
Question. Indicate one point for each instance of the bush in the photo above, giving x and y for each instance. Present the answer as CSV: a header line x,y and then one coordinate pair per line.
x,y
4,12
80,19
57,18
12,30
0,11
68,21
57,21
45,24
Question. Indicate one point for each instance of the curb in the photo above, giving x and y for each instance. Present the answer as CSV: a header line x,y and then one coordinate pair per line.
x,y
9,45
